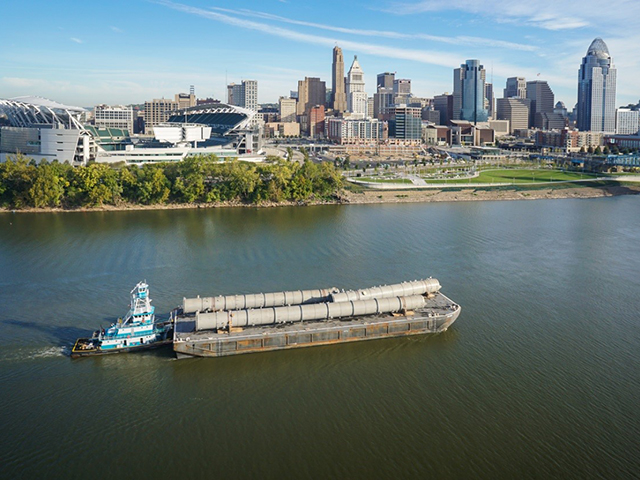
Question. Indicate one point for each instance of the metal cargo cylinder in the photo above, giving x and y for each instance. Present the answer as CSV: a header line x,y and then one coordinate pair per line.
x,y
255,300
417,287
299,313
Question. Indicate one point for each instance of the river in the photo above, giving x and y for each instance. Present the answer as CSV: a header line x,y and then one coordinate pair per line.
x,y
538,378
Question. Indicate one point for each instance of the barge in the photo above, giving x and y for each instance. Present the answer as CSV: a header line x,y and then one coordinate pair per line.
x,y
239,324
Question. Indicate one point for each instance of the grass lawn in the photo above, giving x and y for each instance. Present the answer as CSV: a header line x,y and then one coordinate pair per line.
x,y
383,180
518,176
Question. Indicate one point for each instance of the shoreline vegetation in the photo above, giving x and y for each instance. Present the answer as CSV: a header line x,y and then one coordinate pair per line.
x,y
204,182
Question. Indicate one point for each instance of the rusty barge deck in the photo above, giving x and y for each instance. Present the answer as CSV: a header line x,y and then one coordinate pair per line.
x,y
436,315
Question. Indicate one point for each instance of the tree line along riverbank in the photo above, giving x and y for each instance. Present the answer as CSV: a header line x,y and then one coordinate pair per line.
x,y
26,185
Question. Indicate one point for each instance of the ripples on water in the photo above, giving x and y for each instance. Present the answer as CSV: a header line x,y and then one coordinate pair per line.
x,y
537,379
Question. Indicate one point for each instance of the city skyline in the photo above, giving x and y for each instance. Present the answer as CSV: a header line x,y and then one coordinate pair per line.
x,y
119,59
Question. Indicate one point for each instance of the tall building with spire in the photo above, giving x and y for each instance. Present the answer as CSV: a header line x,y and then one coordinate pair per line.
x,y
356,96
338,95
597,90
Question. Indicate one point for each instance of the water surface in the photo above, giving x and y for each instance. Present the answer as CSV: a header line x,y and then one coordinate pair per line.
x,y
538,378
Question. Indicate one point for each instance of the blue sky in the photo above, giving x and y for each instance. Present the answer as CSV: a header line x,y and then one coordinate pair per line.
x,y
121,52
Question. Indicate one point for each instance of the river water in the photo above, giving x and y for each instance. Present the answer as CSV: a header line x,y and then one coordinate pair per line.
x,y
538,378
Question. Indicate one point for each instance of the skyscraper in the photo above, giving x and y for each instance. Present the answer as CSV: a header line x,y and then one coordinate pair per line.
x,y
243,95
356,96
157,111
444,104
515,110
468,92
338,96
542,102
516,87
287,109
597,90
311,92
386,79
402,86
489,100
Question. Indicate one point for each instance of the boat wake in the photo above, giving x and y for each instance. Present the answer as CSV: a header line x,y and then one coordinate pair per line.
x,y
45,352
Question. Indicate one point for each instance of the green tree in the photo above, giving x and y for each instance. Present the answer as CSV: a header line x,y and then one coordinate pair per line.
x,y
95,185
48,187
305,153
153,185
128,181
17,177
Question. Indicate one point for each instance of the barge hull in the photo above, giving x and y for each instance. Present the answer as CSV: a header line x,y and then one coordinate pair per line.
x,y
284,337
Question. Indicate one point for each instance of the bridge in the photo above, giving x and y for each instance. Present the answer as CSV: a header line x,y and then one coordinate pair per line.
x,y
632,160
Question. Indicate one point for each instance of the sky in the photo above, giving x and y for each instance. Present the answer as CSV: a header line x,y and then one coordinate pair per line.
x,y
123,52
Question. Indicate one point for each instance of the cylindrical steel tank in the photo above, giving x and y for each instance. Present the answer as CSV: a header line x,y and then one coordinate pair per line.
x,y
255,300
299,313
417,287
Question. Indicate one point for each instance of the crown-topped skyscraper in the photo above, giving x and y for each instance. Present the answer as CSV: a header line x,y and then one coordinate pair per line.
x,y
339,97
597,90
356,95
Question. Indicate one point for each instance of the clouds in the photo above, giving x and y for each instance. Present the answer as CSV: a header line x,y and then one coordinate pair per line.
x,y
544,14
543,40
452,40
278,43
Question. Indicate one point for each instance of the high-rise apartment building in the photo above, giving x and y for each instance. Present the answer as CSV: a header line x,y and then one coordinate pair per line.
x,y
244,94
516,87
356,95
542,102
405,123
627,121
157,111
385,80
105,116
597,90
185,100
468,92
338,94
287,109
316,121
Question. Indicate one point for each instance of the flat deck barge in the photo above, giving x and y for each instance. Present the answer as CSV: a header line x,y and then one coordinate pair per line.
x,y
217,332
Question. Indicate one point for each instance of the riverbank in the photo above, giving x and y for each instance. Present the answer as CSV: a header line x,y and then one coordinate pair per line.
x,y
489,194
365,196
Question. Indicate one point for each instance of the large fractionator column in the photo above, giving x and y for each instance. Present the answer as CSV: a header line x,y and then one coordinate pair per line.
x,y
404,289
300,313
298,297
256,300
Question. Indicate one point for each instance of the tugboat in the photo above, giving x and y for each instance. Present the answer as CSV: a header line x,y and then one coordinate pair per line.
x,y
137,331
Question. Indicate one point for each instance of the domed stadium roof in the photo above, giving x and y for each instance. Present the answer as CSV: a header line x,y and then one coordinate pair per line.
x,y
222,118
599,49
